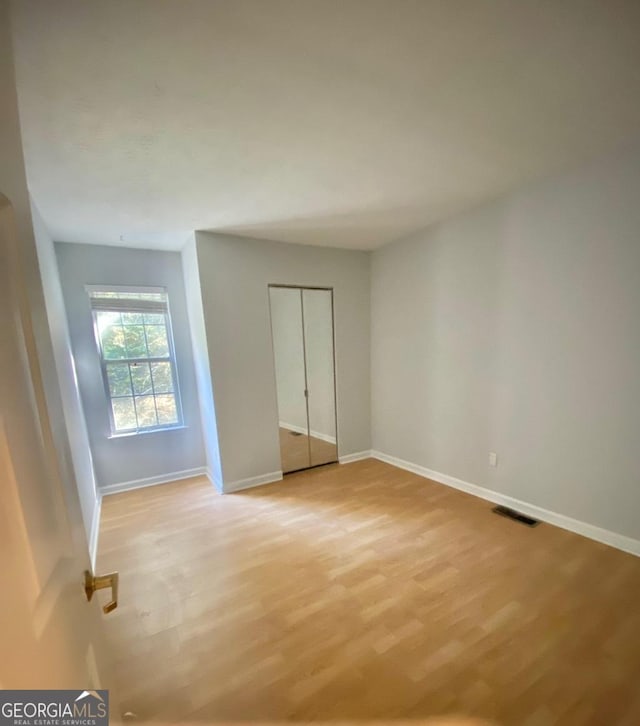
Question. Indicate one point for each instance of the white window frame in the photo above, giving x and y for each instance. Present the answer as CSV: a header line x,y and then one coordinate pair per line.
x,y
135,306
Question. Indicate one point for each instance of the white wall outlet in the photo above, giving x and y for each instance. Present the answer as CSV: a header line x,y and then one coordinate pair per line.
x,y
493,458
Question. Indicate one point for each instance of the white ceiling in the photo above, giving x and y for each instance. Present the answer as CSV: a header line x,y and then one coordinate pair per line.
x,y
347,123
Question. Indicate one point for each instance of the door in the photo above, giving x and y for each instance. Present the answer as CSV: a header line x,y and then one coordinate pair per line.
x,y
291,383
302,331
51,637
317,307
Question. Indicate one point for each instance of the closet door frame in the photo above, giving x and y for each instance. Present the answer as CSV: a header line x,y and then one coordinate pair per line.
x,y
302,288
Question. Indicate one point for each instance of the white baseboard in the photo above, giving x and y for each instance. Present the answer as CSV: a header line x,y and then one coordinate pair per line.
x,y
95,531
619,541
256,481
358,456
151,481
303,430
253,481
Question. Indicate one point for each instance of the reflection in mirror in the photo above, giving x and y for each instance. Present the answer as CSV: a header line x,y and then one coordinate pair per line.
x,y
318,335
288,351
302,330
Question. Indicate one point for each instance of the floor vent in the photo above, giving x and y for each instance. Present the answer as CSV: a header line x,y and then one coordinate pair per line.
x,y
295,433
512,514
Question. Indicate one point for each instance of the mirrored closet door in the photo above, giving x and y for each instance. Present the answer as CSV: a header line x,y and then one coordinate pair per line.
x,y
302,330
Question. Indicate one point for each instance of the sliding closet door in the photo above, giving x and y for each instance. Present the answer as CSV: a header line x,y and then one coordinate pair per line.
x,y
317,308
289,358
302,329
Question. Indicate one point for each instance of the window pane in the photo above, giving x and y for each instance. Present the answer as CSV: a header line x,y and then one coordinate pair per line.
x,y
157,341
124,415
105,319
162,379
141,378
134,340
142,395
132,318
146,411
154,318
118,375
112,337
167,410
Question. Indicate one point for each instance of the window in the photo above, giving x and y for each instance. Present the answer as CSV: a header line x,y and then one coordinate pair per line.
x,y
133,332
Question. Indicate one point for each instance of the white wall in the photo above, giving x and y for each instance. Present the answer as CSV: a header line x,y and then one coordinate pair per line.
x,y
515,329
234,274
65,368
160,455
201,362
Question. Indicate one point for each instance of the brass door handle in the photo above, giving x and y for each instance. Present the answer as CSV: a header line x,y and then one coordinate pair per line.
x,y
100,582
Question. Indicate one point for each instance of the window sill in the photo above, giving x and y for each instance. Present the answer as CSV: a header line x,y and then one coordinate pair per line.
x,y
129,434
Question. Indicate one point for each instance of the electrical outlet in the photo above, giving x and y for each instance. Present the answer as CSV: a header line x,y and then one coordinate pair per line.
x,y
493,458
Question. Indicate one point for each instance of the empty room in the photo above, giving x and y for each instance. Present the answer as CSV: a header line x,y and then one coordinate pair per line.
x,y
320,362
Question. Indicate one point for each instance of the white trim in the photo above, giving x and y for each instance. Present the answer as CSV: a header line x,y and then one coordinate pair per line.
x,y
253,481
303,430
213,481
619,541
95,531
358,456
126,288
146,432
151,481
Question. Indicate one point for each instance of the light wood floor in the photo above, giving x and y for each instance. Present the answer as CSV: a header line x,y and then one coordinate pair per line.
x,y
361,592
294,451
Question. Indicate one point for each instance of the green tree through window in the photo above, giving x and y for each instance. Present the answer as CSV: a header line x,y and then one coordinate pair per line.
x,y
133,331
